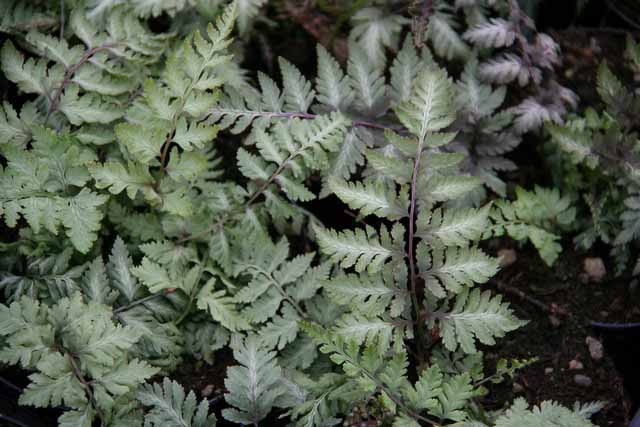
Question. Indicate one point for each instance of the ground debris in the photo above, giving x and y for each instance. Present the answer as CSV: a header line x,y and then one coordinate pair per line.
x,y
594,269
595,348
507,257
582,380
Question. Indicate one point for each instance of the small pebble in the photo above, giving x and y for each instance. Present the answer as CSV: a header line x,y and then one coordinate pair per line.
x,y
582,380
595,269
548,371
617,305
555,322
517,388
595,348
575,365
507,257
206,392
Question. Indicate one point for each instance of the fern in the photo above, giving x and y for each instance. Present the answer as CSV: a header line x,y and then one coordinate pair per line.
x,y
87,344
547,412
155,196
18,16
476,316
442,32
485,134
170,406
359,248
253,386
495,33
536,216
381,298
531,64
600,147
374,31
25,191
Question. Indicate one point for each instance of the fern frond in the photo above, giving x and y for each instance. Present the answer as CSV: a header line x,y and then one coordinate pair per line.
x,y
445,37
334,89
254,386
475,97
494,33
476,316
519,415
367,80
429,109
531,114
170,407
361,248
577,143
22,191
247,12
282,330
17,16
350,155
30,75
55,384
456,391
298,94
28,317
369,295
453,227
457,267
404,69
373,331
369,198
507,68
376,30
221,307
535,215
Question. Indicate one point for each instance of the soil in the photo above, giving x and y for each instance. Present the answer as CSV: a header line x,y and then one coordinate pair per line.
x,y
207,380
583,50
556,335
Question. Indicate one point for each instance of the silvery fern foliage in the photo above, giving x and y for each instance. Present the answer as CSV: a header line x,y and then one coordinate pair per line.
x,y
81,358
384,306
548,413
247,10
527,61
101,325
374,30
142,8
485,132
20,16
451,28
171,406
443,31
136,241
348,101
255,386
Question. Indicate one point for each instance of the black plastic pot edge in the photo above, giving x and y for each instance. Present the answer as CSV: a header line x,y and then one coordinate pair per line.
x,y
635,422
615,326
622,330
